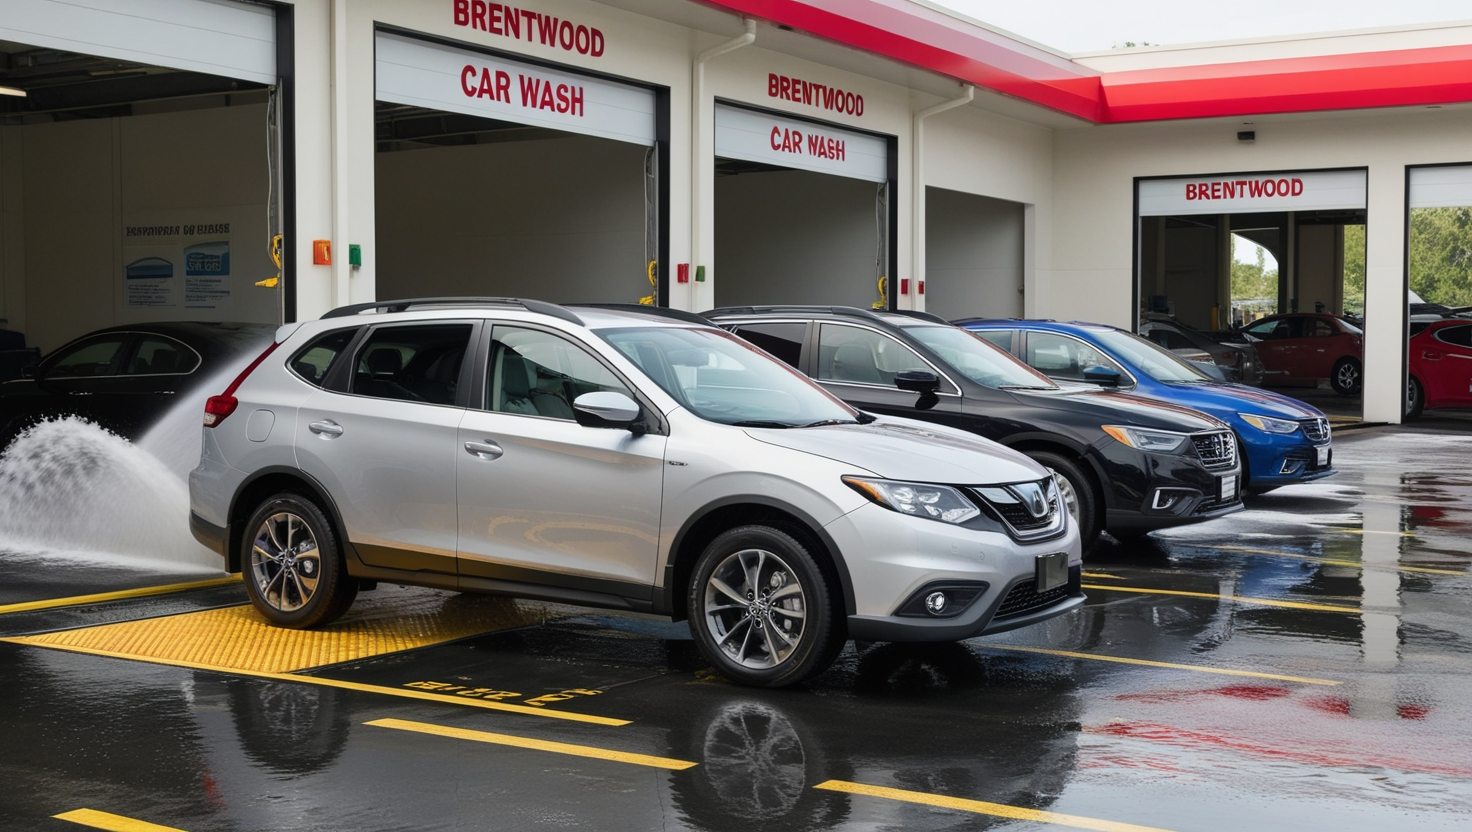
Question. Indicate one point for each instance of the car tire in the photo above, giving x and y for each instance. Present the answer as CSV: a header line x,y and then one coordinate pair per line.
x,y
762,609
293,568
1078,490
1346,377
1415,398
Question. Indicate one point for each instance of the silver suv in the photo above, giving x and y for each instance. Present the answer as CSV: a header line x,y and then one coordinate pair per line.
x,y
624,457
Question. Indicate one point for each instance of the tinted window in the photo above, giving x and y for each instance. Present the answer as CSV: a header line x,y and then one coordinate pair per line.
x,y
982,362
1059,356
1457,336
92,357
782,340
862,356
1272,330
412,363
158,356
314,360
536,373
1320,328
1001,338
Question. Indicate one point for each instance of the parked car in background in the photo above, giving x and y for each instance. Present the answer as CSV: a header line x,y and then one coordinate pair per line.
x,y
1127,463
1309,346
1284,440
125,378
1440,364
1233,355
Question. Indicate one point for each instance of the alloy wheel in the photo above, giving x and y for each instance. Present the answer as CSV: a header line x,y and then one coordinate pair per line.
x,y
285,562
1349,376
755,609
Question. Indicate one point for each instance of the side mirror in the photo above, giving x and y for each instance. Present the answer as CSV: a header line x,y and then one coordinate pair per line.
x,y
1102,376
605,409
917,381
30,371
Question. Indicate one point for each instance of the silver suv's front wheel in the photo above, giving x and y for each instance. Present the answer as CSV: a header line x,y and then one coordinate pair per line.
x,y
294,573
761,609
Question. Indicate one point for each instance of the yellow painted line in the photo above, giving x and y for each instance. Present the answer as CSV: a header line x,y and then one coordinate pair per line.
x,y
115,823
1240,599
1101,576
404,693
100,597
1196,668
536,745
1333,562
981,807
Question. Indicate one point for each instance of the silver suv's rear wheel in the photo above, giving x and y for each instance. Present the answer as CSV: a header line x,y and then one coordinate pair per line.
x,y
294,573
761,609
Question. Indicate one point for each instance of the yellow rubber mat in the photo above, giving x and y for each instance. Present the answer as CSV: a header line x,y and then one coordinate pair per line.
x,y
238,638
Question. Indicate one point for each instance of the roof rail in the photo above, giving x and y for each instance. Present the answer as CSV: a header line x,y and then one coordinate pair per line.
x,y
645,309
921,316
538,306
798,309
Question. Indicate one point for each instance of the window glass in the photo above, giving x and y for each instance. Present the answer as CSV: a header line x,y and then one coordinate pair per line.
x,y
1320,328
721,378
314,360
1059,356
781,340
1275,329
535,373
1000,338
976,359
1457,336
1168,338
93,357
412,363
157,356
863,356
1151,359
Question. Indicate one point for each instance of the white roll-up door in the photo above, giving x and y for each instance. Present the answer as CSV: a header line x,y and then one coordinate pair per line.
x,y
422,74
1441,187
755,136
217,37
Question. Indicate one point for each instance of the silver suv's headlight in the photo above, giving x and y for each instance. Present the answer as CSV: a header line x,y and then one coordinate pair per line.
x,y
1142,439
1269,424
918,499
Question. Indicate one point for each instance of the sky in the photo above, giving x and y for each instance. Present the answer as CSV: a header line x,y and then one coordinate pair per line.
x,y
1091,25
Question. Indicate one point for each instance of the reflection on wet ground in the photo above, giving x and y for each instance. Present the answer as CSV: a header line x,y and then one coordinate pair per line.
x,y
1302,664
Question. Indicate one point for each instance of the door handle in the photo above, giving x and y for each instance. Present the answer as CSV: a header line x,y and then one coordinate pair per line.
x,y
1431,355
484,450
327,429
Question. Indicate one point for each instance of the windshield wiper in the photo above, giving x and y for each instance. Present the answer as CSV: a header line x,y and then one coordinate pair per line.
x,y
826,422
757,423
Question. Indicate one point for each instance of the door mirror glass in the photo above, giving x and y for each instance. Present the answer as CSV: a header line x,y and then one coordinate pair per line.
x,y
30,371
1102,376
917,381
605,409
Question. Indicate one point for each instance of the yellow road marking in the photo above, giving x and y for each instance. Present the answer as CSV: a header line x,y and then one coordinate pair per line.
x,y
1240,599
1101,576
405,693
115,823
982,807
536,745
140,592
1307,680
1333,562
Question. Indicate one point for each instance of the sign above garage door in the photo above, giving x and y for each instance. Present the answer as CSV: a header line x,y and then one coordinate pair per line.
x,y
1250,193
211,36
753,136
421,74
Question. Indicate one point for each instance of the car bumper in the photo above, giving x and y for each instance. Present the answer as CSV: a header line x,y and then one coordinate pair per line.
x,y
892,559
1158,491
213,537
1275,464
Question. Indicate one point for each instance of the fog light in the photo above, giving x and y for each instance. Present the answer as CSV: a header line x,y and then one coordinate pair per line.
x,y
1167,499
936,602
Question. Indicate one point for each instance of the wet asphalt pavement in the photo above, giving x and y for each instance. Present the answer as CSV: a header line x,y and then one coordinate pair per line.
x,y
1301,665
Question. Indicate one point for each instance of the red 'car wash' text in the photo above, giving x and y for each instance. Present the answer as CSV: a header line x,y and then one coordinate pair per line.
x,y
510,22
536,93
786,140
814,94
1244,188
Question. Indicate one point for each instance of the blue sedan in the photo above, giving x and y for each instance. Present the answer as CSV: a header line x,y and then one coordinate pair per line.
x,y
1284,441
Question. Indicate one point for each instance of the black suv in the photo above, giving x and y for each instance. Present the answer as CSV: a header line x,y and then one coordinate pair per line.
x,y
1126,463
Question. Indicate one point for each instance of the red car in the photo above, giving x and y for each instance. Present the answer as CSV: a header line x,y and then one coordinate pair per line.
x,y
1308,346
1440,359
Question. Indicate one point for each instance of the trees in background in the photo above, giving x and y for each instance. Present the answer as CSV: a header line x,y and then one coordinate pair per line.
x,y
1440,256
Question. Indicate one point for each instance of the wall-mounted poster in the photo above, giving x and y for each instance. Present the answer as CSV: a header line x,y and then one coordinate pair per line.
x,y
150,274
173,259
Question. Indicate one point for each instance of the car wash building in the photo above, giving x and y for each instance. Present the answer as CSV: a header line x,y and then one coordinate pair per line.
x,y
268,161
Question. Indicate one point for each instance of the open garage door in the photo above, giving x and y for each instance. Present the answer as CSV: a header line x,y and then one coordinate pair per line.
x,y
802,212
1439,352
138,173
498,177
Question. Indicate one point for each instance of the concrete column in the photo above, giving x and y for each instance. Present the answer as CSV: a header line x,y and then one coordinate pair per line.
x,y
1385,295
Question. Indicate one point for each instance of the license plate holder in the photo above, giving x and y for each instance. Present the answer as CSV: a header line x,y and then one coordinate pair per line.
x,y
1323,456
1052,571
1229,488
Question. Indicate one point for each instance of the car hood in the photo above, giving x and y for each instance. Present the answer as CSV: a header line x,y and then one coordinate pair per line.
x,y
903,449
1115,407
1239,398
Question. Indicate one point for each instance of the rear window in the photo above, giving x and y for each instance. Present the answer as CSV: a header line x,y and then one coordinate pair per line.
x,y
313,361
1457,336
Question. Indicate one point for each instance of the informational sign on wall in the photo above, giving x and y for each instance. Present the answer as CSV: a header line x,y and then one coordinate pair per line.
x,y
1253,193
753,136
176,260
421,74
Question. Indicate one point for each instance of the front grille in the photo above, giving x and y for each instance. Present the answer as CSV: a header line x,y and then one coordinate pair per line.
x,y
1218,451
1015,505
1020,518
1317,430
1025,598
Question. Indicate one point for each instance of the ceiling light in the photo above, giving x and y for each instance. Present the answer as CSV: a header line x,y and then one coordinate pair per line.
x,y
12,91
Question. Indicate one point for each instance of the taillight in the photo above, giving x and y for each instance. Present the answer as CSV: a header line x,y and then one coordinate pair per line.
x,y
218,407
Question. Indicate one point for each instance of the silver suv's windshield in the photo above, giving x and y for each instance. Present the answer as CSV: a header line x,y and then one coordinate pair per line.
x,y
1150,358
721,378
978,360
